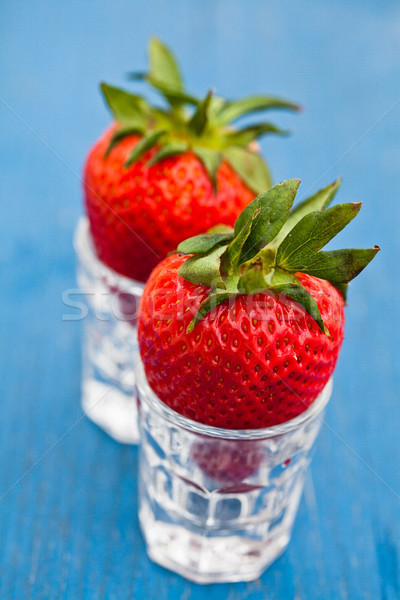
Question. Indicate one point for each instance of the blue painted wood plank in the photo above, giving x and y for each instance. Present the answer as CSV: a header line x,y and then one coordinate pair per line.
x,y
68,525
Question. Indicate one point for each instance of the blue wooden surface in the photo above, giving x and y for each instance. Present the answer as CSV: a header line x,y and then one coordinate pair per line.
x,y
68,525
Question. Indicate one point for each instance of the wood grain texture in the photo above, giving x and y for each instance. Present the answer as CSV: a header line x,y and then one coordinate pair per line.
x,y
68,525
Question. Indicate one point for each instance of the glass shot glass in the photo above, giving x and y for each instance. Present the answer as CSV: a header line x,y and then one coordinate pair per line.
x,y
109,345
218,505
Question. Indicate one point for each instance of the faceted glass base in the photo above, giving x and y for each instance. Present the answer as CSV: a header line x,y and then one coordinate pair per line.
x,y
203,559
218,505
110,347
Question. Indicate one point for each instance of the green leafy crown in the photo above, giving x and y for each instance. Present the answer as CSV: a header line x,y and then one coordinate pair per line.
x,y
185,122
272,242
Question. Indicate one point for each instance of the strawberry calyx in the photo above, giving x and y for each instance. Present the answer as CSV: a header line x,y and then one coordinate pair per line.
x,y
187,123
270,244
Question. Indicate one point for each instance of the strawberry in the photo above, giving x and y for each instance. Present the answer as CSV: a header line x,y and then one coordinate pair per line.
x,y
242,328
161,174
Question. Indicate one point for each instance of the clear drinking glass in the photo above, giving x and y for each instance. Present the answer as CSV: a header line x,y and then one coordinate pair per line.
x,y
218,505
110,346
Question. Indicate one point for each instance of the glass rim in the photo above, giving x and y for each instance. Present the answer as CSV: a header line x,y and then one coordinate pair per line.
x,y
146,393
84,248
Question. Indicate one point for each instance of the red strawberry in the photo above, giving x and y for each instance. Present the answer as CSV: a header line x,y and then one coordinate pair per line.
x,y
159,175
153,208
244,365
267,328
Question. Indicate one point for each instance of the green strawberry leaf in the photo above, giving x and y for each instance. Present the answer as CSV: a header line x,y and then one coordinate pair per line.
x,y
199,120
312,233
339,266
250,167
127,108
232,256
286,283
163,65
204,125
200,244
318,201
231,111
300,295
172,95
203,269
211,160
243,137
216,105
145,144
212,301
168,150
121,134
342,288
248,261
259,278
165,75
275,205
221,229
